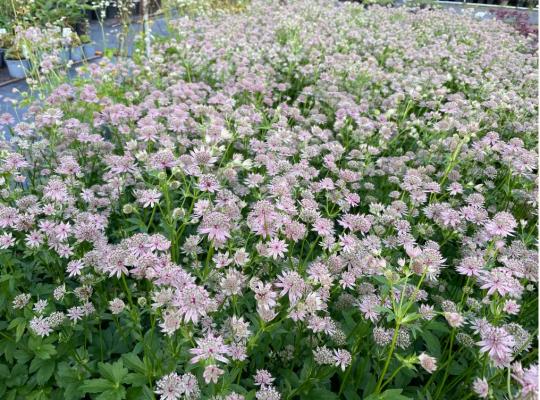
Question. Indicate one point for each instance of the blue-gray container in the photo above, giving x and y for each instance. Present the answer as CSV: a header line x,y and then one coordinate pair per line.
x,y
77,53
64,54
18,68
89,50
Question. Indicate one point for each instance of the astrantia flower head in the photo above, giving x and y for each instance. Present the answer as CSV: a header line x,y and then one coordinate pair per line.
x,y
176,387
502,224
210,348
212,373
21,300
498,343
263,378
481,387
148,198
427,362
342,358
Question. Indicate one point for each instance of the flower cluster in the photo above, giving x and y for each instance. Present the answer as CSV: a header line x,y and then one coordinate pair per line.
x,y
301,200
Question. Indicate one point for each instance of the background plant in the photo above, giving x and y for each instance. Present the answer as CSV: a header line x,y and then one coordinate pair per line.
x,y
264,211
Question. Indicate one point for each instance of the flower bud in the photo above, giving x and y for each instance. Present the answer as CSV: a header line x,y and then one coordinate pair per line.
x,y
179,213
162,175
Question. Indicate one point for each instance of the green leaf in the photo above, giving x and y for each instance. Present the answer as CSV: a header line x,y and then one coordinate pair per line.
x,y
4,371
16,322
45,351
45,372
134,363
113,372
432,343
96,385
19,324
134,379
118,393
456,368
390,394
70,379
140,393
410,317
19,375
290,377
350,393
40,348
320,394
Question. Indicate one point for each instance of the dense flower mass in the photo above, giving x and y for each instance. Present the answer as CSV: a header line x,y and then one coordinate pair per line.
x,y
307,200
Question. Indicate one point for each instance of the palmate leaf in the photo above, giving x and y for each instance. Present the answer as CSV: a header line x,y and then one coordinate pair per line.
x,y
134,363
390,394
432,343
140,393
114,373
118,393
44,368
320,394
98,385
70,379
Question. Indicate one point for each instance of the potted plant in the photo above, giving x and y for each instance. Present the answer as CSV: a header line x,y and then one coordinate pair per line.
x,y
17,63
89,48
76,48
6,41
64,52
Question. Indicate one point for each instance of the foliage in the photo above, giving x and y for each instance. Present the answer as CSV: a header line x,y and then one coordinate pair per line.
x,y
85,39
43,12
15,53
302,201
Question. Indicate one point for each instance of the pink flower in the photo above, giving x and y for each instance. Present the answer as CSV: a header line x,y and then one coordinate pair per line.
x,y
148,198
74,268
217,226
175,387
323,227
6,241
263,378
511,307
41,326
455,320
428,363
170,387
193,302
502,224
212,373
342,358
528,379
500,280
292,283
208,183
481,387
498,344
210,348
470,266
276,248
266,298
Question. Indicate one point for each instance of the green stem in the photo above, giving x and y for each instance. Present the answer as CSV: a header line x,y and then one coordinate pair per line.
x,y
388,358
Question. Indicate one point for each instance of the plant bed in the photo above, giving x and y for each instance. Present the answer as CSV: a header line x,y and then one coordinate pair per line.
x,y
298,202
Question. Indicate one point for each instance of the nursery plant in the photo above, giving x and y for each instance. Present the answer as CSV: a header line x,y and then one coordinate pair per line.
x,y
299,201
